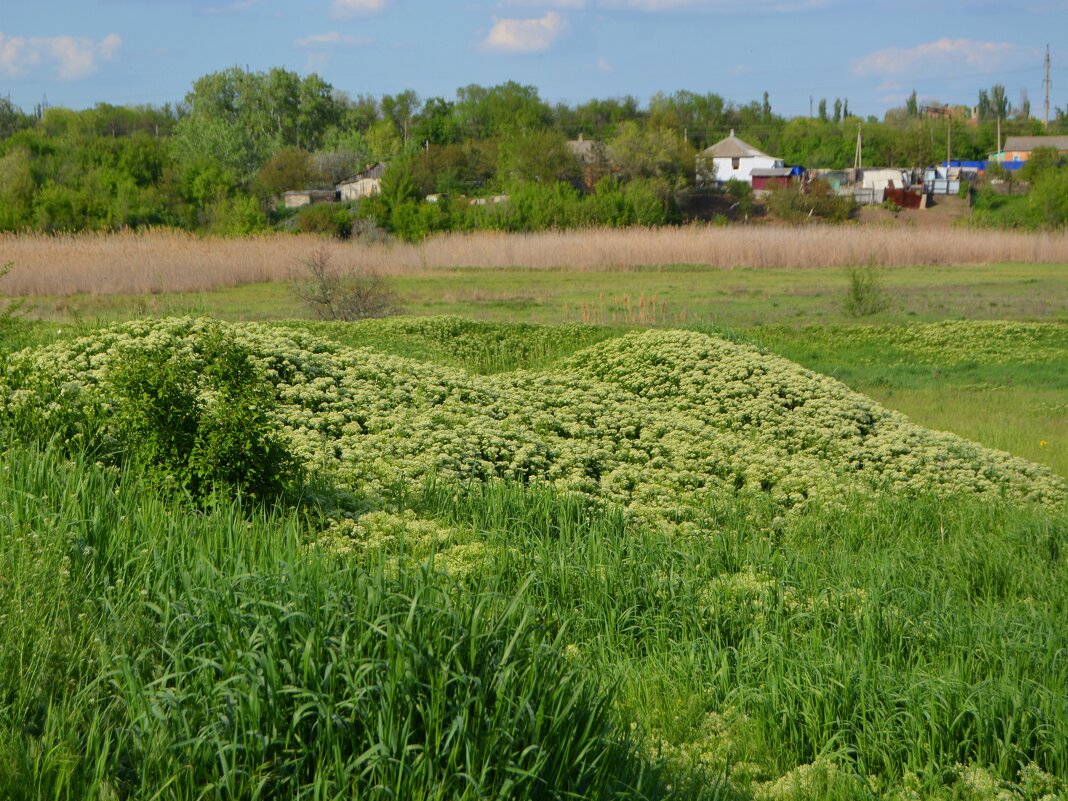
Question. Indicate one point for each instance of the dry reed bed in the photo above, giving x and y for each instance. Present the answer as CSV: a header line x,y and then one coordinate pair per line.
x,y
171,261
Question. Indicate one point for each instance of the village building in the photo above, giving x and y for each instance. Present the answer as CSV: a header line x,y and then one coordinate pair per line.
x,y
765,178
1018,149
594,159
365,184
731,159
308,197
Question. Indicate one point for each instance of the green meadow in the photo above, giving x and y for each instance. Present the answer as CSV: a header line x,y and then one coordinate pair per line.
x,y
565,542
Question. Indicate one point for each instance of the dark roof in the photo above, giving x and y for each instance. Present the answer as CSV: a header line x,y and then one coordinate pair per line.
x,y
773,172
1029,143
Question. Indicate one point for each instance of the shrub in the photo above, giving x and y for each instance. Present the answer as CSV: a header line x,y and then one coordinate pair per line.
x,y
325,219
797,203
200,423
742,195
865,295
236,216
334,295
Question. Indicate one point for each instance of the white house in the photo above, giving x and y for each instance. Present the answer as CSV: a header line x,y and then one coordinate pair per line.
x,y
363,185
731,159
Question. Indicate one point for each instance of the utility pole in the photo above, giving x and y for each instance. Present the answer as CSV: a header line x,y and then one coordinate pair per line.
x,y
999,133
857,157
1047,87
810,106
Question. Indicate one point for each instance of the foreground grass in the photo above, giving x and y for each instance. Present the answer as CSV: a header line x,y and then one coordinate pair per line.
x,y
506,642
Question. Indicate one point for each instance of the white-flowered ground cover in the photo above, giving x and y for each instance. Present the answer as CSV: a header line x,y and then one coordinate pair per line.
x,y
661,422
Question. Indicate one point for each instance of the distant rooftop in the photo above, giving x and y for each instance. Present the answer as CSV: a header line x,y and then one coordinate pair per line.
x,y
1029,143
733,148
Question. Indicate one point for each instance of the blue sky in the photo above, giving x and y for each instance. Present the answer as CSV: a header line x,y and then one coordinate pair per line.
x,y
873,52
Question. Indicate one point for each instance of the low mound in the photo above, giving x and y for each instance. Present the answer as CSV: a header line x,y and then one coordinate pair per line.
x,y
664,423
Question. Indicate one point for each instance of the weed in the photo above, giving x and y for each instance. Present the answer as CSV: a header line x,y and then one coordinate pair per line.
x,y
331,294
865,294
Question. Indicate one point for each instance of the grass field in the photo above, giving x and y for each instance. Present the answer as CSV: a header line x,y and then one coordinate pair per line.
x,y
775,632
533,550
1009,408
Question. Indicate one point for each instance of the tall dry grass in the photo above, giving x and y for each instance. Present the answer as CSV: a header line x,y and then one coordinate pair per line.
x,y
172,261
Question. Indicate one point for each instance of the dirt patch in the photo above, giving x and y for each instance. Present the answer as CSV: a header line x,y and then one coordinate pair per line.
x,y
944,212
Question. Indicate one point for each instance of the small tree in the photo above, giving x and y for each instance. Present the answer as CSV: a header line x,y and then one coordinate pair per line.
x,y
865,295
331,294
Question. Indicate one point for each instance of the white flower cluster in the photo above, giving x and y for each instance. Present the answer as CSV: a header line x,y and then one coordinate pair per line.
x,y
662,422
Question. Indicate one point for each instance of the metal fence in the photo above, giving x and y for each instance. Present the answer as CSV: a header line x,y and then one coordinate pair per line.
x,y
942,186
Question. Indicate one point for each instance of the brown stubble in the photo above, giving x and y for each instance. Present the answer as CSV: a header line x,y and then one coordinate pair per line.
x,y
163,261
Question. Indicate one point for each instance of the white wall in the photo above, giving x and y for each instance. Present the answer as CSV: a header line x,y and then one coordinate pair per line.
x,y
723,169
358,189
880,179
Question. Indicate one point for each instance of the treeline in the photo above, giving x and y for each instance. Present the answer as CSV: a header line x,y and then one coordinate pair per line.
x,y
215,162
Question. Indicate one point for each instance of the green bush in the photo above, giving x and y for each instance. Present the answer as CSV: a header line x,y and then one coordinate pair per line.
x,y
325,219
536,207
796,203
200,422
236,216
865,295
742,195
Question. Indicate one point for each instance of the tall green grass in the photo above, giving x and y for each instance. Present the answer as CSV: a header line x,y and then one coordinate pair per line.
x,y
156,652
898,641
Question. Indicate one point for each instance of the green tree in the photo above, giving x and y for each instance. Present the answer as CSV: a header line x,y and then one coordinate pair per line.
x,y
689,113
11,118
383,141
436,123
16,190
537,155
483,113
240,118
1041,161
291,168
401,110
912,106
652,153
1049,198
600,119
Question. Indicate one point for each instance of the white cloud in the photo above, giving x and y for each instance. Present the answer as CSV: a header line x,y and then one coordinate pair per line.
x,y
70,57
526,35
940,54
331,39
358,8
605,67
